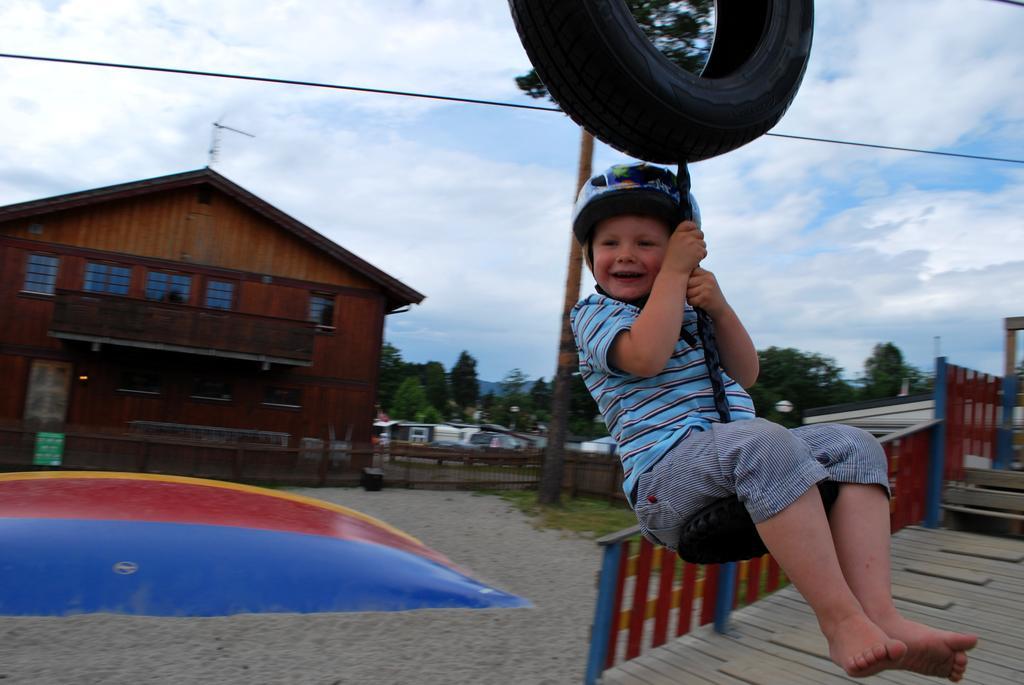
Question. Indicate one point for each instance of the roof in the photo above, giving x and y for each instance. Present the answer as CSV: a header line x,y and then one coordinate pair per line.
x,y
398,294
869,404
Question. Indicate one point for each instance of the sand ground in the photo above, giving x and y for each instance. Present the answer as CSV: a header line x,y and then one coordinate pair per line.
x,y
545,644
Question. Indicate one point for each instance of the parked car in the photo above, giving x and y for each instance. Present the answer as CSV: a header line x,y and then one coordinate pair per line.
x,y
494,440
454,445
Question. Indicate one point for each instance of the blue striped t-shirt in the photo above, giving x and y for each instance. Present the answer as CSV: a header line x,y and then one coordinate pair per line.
x,y
647,416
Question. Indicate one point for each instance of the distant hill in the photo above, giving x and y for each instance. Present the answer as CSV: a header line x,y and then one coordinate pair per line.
x,y
493,387
489,387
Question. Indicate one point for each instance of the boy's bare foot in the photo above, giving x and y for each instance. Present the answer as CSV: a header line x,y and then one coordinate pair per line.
x,y
861,648
931,651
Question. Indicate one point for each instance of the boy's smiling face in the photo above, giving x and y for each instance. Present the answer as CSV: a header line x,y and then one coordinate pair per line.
x,y
628,252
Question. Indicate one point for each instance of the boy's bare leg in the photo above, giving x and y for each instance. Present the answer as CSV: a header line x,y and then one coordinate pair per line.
x,y
800,540
860,528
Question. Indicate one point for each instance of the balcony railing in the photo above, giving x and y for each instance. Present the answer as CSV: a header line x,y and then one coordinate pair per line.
x,y
109,319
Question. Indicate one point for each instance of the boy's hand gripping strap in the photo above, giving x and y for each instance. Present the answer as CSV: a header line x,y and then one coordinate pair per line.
x,y
705,326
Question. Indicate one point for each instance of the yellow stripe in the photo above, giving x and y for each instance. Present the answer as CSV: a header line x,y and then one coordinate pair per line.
x,y
652,604
187,480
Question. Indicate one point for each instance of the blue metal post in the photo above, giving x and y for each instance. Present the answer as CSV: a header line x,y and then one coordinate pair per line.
x,y
725,595
938,456
1004,444
601,629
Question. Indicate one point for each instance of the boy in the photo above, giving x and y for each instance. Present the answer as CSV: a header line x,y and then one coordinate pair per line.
x,y
641,360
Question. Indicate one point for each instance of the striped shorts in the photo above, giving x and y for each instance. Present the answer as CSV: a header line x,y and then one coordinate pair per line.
x,y
767,466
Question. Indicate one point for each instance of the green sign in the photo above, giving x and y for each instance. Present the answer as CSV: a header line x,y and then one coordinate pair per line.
x,y
49,449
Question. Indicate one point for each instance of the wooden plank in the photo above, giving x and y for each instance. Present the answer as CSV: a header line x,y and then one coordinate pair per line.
x,y
975,622
1013,480
667,664
978,549
949,573
981,497
643,674
822,668
1000,565
743,647
990,553
799,661
808,643
1002,572
938,536
992,630
690,654
916,595
992,595
764,673
978,511
616,676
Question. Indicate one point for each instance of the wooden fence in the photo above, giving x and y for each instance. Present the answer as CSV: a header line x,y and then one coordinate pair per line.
x,y
974,409
404,464
245,463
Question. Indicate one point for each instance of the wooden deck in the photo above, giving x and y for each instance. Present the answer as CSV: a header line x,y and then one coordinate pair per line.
x,y
952,580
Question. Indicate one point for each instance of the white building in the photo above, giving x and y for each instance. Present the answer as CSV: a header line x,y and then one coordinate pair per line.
x,y
878,417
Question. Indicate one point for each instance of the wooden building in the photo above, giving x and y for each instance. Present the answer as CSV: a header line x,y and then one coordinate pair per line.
x,y
186,305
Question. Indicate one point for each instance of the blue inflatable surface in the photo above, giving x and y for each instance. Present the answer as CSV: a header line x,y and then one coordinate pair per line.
x,y
59,565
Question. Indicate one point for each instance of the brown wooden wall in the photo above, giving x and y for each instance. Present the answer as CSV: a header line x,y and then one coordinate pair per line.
x,y
99,402
223,240
174,225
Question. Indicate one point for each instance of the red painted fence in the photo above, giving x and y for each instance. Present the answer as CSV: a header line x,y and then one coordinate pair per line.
x,y
655,596
973,411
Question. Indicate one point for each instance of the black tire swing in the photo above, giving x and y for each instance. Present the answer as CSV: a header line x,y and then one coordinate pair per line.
x,y
611,79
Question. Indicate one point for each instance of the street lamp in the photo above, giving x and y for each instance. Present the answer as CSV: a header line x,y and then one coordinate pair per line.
x,y
783,406
515,410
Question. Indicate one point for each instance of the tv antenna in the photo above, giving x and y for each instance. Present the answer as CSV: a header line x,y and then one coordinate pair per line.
x,y
215,140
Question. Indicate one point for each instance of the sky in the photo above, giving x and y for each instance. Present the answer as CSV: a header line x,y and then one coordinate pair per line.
x,y
825,248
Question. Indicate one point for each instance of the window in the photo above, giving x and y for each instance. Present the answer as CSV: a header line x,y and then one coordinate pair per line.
x,y
107,278
211,389
282,397
140,381
321,309
167,287
40,274
220,294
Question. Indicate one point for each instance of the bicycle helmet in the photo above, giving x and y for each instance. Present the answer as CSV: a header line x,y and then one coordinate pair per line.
x,y
637,188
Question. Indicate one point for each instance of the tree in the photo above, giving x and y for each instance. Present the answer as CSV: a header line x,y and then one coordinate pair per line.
x,y
409,400
681,31
435,384
513,383
513,406
806,379
540,398
429,415
487,406
464,383
392,372
583,412
885,372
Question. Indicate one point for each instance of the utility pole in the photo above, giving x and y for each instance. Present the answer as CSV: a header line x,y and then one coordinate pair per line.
x,y
552,474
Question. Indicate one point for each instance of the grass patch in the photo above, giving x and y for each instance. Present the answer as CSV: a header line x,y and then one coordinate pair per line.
x,y
589,516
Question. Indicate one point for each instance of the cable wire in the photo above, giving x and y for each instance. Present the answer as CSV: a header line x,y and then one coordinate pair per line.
x,y
471,101
267,79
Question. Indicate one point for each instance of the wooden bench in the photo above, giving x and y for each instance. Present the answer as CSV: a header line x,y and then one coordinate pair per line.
x,y
988,500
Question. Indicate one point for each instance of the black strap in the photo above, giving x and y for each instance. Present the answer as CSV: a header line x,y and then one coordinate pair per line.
x,y
705,326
